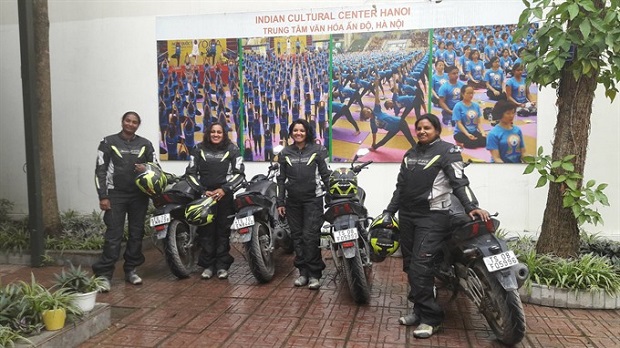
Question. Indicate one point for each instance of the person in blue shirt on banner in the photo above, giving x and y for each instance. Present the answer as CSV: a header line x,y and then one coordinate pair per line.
x,y
475,70
450,94
494,79
505,140
505,62
468,119
439,78
517,90
462,63
449,55
379,119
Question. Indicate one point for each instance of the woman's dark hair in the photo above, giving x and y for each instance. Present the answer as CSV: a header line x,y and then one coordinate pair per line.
x,y
493,60
434,120
309,131
517,66
207,137
500,108
472,52
464,88
129,113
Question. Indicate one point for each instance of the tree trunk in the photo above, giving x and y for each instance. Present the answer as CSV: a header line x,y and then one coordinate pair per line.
x,y
51,218
560,230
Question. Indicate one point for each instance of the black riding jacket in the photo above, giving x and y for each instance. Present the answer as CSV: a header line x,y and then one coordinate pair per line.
x,y
214,168
116,160
428,174
303,173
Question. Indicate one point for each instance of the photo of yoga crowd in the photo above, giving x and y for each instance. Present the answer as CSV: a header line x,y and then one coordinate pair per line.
x,y
284,79
198,80
380,83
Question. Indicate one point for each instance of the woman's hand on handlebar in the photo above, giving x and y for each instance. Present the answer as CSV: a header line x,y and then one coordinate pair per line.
x,y
480,213
282,211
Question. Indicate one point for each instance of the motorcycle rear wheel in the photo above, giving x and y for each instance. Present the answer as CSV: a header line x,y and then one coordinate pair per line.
x,y
180,249
356,278
502,309
260,256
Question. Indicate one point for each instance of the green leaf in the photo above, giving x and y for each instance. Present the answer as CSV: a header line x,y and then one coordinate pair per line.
x,y
590,183
540,151
601,187
604,201
561,178
568,158
559,62
526,3
529,169
568,166
568,201
576,209
572,184
542,181
538,12
556,164
585,28
581,219
588,5
573,11
590,197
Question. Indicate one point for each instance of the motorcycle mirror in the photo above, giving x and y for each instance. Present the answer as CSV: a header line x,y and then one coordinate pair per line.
x,y
278,149
361,152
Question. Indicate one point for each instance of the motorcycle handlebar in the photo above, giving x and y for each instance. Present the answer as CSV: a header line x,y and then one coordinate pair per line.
x,y
358,168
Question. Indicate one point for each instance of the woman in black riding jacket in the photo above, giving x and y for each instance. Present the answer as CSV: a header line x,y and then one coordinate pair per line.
x,y
216,163
303,175
429,173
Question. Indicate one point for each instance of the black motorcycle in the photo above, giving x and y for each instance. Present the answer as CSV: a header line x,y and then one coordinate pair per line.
x,y
170,222
479,263
347,231
258,226
179,237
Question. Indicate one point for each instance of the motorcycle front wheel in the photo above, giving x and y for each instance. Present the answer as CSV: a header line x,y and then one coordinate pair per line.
x,y
502,309
180,249
259,253
356,278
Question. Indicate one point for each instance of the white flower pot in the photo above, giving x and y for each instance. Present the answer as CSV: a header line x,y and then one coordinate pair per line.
x,y
86,301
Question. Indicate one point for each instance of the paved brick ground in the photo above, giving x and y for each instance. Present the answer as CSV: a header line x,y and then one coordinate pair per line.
x,y
238,312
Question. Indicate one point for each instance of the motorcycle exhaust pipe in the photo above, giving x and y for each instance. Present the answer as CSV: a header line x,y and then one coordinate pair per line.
x,y
521,272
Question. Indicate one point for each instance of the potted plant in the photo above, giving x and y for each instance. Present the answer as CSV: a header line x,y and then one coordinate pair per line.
x,y
52,305
82,284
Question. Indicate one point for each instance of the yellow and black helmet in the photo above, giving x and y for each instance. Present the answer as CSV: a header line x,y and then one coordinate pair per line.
x,y
343,183
201,211
384,237
152,181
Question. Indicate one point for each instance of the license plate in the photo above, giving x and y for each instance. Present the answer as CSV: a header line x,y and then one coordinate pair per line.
x,y
242,222
160,220
500,261
345,235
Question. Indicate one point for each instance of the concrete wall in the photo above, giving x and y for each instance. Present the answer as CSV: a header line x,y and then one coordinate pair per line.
x,y
102,65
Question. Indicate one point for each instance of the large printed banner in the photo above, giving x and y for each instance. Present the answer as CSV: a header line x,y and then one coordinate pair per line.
x,y
359,76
